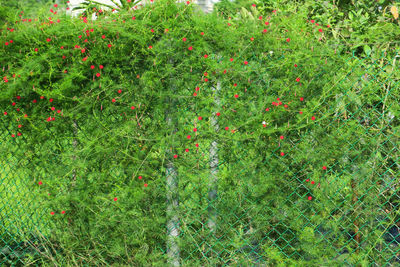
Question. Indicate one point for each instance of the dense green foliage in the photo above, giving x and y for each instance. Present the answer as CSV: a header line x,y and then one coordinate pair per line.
x,y
95,141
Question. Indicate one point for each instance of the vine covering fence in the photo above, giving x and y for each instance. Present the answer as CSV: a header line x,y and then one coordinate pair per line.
x,y
246,164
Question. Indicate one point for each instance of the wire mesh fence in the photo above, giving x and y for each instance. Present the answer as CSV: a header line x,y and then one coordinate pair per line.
x,y
322,190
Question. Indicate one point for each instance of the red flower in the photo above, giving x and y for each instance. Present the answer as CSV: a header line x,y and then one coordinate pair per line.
x,y
301,99
13,135
282,154
260,17
297,79
324,167
184,39
197,145
52,213
115,199
266,23
109,45
188,137
218,114
140,177
194,129
265,30
301,112
224,71
152,30
205,56
295,65
84,59
175,156
227,128
312,182
51,100
307,180
53,108
92,67
310,197
313,118
267,109
231,59
119,91
190,48
5,113
48,39
245,63
101,67
288,40
133,17
98,74
63,212
132,107
254,5
328,26
195,94
236,95
200,118
36,49
150,47
40,183
320,30
202,33
103,36
281,137
187,149
312,21
113,100
145,185
13,103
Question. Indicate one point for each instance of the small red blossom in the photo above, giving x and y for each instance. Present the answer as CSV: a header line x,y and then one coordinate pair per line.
x,y
288,40
103,36
320,30
115,199
101,67
297,79
40,183
184,39
188,137
202,33
98,74
113,100
324,167
313,118
109,45
245,63
119,91
197,145
36,49
265,30
218,114
52,213
310,198
51,100
92,67
281,137
48,39
190,48
187,150
231,59
63,212
301,112
227,128
206,56
236,95
200,118
145,185
312,182
132,107
301,99
140,177
312,21
175,156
